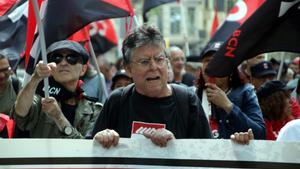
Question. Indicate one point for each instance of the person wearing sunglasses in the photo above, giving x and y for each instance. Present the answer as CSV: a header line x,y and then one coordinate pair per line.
x,y
67,113
149,108
7,94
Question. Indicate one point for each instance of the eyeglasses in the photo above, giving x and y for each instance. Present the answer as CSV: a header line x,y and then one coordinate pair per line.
x,y
6,70
145,62
72,59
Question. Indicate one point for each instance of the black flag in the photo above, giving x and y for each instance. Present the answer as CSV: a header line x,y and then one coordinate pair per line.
x,y
273,27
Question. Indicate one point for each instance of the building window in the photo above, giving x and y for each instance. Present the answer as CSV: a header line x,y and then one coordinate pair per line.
x,y
175,20
191,20
206,4
220,5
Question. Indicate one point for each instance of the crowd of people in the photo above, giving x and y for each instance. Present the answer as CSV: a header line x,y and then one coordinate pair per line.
x,y
149,95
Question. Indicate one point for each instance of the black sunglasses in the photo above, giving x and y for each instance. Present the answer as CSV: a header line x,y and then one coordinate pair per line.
x,y
72,58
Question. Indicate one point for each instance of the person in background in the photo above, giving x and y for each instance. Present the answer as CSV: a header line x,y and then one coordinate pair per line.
x,y
276,67
169,111
108,69
262,72
94,85
244,68
8,94
9,87
69,114
274,100
178,60
230,105
120,79
295,66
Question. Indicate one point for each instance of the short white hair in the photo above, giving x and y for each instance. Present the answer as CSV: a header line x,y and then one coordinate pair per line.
x,y
174,49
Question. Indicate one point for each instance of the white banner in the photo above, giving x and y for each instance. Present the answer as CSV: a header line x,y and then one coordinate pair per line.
x,y
142,153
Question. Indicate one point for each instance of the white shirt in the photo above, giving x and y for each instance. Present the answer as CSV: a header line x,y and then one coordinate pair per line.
x,y
290,132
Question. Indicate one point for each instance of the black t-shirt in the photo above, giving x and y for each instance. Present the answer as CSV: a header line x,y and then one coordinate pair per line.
x,y
122,116
152,110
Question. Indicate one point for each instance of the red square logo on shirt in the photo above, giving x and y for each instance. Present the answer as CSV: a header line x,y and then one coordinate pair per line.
x,y
139,127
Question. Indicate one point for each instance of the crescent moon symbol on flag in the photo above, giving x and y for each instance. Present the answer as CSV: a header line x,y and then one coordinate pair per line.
x,y
240,14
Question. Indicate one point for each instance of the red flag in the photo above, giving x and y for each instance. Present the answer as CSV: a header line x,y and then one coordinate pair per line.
x,y
82,36
103,36
64,18
215,23
5,5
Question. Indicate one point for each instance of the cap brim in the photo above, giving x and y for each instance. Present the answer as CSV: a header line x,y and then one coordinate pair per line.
x,y
69,45
116,77
266,73
193,58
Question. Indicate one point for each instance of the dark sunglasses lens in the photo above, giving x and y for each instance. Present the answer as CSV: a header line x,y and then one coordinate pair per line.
x,y
72,59
57,58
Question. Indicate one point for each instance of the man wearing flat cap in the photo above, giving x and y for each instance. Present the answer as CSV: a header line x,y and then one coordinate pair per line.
x,y
67,113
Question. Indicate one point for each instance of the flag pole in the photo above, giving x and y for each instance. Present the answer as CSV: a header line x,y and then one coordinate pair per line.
x,y
281,66
42,42
137,23
184,28
94,61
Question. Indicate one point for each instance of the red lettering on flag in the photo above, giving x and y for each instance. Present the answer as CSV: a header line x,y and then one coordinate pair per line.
x,y
232,43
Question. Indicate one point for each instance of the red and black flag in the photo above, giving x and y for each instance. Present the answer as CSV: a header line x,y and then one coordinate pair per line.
x,y
103,36
241,11
13,21
273,27
149,4
64,18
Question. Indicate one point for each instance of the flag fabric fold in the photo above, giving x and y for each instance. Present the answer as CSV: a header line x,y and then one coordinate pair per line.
x,y
273,27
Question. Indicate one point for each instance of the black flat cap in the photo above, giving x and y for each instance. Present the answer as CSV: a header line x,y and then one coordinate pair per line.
x,y
70,45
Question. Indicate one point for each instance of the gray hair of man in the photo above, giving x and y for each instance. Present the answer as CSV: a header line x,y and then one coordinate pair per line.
x,y
141,36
